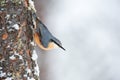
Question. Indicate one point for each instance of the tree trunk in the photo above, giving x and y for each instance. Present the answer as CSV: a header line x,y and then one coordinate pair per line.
x,y
18,59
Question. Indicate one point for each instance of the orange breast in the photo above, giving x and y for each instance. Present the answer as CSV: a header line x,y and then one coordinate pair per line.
x,y
37,41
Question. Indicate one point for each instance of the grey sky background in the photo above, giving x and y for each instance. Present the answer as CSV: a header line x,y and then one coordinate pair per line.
x,y
90,32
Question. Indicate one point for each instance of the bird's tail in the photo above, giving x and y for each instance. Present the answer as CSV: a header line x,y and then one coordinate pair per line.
x,y
56,41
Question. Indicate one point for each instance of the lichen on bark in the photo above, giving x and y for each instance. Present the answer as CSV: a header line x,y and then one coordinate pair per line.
x,y
16,50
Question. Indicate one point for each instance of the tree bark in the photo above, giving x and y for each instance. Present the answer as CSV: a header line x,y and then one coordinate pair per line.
x,y
18,59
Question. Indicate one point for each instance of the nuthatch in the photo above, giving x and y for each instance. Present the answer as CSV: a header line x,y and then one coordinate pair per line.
x,y
43,38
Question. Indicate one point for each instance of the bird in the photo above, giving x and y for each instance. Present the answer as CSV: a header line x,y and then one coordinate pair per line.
x,y
43,37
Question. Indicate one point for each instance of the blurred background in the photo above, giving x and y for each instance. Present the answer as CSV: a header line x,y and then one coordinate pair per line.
x,y
89,31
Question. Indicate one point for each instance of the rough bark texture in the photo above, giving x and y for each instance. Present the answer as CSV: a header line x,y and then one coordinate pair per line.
x,y
17,55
